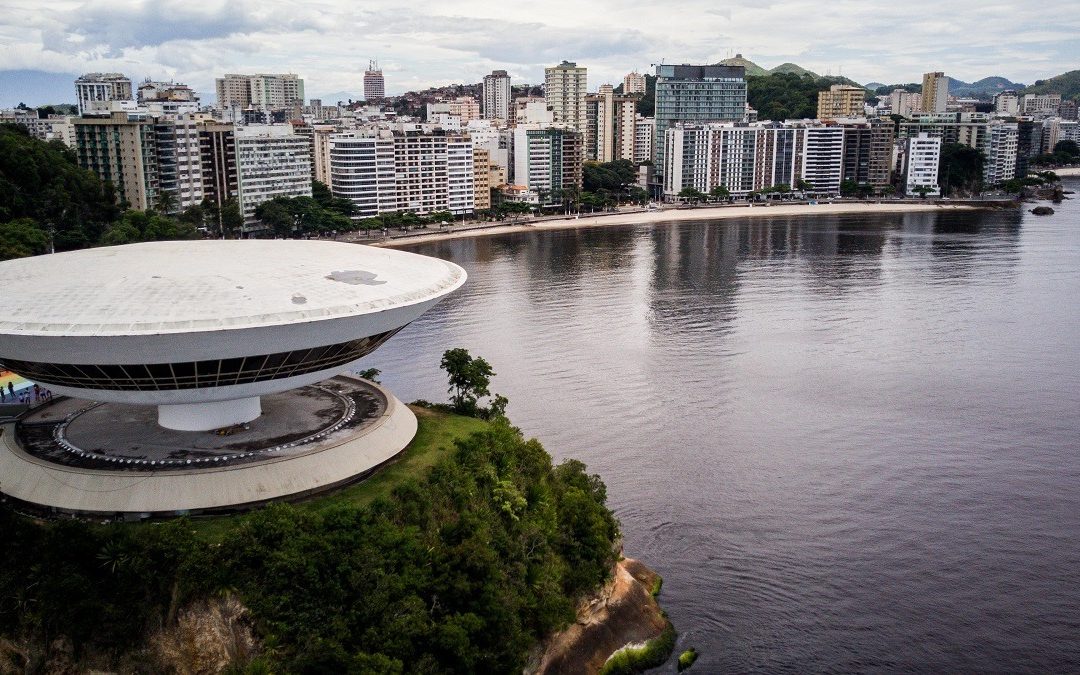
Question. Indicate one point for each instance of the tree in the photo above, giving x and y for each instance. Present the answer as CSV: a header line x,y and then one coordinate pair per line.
x,y
922,190
277,215
848,188
803,185
21,238
469,379
43,182
166,202
720,193
961,168
370,374
193,215
691,194
320,191
782,96
611,176
231,218
1067,147
1013,186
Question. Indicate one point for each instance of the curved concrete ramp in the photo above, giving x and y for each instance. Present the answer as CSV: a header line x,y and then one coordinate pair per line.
x,y
322,463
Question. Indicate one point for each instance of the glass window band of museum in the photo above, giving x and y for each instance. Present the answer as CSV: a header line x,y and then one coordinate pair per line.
x,y
197,374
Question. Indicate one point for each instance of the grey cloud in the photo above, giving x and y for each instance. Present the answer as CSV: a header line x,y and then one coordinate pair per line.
x,y
509,41
100,25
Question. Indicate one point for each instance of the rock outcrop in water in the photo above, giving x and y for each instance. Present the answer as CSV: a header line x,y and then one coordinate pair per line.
x,y
623,612
1043,211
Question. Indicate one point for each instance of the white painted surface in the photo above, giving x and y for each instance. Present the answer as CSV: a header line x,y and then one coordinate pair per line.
x,y
189,286
209,416
39,482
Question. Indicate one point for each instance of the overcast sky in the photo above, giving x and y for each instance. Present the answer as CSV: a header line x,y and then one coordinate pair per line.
x,y
328,43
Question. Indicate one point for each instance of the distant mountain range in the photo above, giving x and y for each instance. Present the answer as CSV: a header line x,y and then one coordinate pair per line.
x,y
754,70
985,86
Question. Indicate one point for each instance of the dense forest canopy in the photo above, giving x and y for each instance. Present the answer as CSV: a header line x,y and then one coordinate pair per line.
x,y
461,570
783,96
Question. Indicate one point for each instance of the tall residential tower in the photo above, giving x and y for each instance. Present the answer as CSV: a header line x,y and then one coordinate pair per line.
x,y
935,92
496,104
374,84
564,93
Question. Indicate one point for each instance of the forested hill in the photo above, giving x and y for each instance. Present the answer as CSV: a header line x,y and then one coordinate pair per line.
x,y
1066,84
459,567
48,201
783,96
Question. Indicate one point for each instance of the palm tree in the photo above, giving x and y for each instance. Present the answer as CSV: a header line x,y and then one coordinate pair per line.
x,y
166,202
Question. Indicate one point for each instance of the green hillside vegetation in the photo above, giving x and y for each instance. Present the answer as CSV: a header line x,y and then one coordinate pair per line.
x,y
458,564
1066,84
986,87
45,197
752,69
786,95
793,69
886,89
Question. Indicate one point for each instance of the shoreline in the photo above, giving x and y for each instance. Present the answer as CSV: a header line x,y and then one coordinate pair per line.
x,y
674,215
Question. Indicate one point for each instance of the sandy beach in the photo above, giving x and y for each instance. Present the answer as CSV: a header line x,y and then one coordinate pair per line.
x,y
670,215
1068,171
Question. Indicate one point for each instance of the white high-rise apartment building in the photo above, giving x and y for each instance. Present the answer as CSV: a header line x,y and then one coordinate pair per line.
x,y
460,178
94,91
1041,104
1007,102
496,96
271,161
565,87
749,157
1001,148
180,160
935,92
362,169
904,103
383,171
644,128
548,161
496,140
922,157
530,110
610,125
823,158
634,83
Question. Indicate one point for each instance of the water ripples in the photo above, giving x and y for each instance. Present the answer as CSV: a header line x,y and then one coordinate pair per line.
x,y
848,443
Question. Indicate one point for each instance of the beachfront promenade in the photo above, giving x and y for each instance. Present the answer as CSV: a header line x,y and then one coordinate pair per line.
x,y
668,213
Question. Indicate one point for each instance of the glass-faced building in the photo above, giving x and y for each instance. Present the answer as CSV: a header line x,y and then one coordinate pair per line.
x,y
688,93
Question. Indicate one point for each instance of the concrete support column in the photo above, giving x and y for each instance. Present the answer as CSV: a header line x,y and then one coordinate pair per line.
x,y
209,416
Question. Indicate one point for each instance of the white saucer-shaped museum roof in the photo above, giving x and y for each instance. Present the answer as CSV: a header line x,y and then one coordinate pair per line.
x,y
190,286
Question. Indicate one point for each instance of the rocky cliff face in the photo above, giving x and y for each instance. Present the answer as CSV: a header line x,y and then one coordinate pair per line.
x,y
623,612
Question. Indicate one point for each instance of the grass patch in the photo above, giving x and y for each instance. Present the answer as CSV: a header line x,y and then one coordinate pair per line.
x,y
637,659
435,436
687,658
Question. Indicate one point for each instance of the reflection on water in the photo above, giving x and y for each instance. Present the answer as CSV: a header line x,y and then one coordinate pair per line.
x,y
848,443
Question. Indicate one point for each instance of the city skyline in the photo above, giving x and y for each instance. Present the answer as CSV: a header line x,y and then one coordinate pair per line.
x,y
329,45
